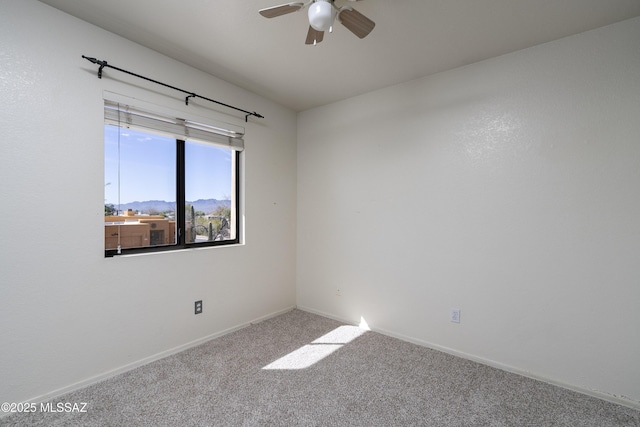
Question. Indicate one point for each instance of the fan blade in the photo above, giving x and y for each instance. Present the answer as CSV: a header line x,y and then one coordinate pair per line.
x,y
283,9
314,36
356,22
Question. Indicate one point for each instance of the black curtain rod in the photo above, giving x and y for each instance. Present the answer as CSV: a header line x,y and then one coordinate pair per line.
x,y
103,64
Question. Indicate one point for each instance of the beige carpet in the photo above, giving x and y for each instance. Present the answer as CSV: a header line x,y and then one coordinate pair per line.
x,y
299,369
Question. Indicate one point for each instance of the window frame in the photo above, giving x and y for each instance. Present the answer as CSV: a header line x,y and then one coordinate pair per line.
x,y
180,215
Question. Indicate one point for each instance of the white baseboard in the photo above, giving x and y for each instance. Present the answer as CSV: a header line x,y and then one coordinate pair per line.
x,y
112,373
620,400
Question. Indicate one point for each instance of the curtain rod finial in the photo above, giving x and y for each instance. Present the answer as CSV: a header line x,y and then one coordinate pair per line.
x,y
246,117
97,61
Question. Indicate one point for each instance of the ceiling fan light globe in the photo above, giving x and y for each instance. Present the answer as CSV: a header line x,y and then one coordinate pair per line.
x,y
321,15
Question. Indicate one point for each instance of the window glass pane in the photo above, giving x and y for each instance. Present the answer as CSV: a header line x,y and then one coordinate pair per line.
x,y
209,193
139,189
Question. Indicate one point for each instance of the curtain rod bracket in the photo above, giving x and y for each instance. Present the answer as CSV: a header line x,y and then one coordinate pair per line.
x,y
186,100
103,64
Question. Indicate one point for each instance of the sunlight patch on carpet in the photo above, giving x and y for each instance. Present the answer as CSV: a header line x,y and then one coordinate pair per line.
x,y
310,354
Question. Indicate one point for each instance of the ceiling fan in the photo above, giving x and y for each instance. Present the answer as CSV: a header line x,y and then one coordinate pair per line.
x,y
322,14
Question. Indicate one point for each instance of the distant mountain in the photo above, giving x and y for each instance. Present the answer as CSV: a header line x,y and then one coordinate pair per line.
x,y
209,205
204,205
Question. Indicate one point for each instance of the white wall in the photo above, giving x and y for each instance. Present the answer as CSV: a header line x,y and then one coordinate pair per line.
x,y
508,189
69,315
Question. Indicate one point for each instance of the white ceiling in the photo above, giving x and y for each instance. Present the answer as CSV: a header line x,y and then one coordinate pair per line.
x,y
412,38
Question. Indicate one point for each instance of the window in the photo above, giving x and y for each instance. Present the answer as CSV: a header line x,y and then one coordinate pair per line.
x,y
169,183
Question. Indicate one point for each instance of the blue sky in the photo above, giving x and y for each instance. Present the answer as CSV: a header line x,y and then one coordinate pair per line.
x,y
148,168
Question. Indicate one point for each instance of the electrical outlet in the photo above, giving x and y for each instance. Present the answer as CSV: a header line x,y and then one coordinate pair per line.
x,y
198,307
455,315
338,293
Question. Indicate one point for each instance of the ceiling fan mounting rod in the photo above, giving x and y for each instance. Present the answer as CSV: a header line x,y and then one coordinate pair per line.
x,y
190,94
